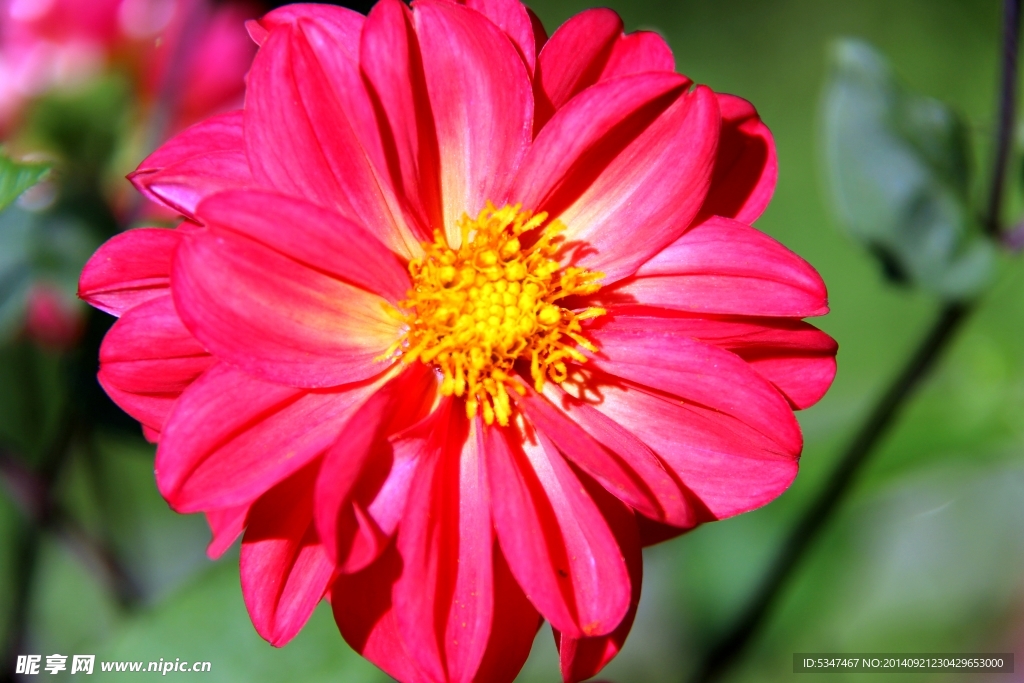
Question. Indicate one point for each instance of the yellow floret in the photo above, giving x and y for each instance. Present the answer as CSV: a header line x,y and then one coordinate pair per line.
x,y
473,311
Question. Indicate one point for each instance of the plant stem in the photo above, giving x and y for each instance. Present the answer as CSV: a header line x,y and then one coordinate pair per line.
x,y
1007,114
815,519
32,491
809,527
41,512
98,555
26,552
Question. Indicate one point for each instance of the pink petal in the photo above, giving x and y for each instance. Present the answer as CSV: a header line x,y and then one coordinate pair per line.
x,y
588,49
637,53
301,137
511,17
677,504
573,58
334,34
392,63
183,185
275,317
284,569
640,196
513,630
444,599
151,435
363,610
797,358
363,482
148,358
199,161
803,378
149,351
746,168
221,133
724,267
583,658
321,239
558,544
151,410
257,31
482,103
344,24
226,525
586,135
232,437
730,466
129,269
360,540
698,373
619,461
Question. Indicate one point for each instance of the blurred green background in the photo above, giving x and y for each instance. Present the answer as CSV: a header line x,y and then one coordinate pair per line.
x,y
926,556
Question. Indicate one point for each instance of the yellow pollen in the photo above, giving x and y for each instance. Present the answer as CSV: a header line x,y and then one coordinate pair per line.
x,y
474,311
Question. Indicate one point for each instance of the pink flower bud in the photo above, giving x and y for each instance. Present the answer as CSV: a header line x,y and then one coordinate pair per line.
x,y
53,319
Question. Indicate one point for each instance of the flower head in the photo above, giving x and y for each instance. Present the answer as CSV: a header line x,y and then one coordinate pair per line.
x,y
476,309
459,319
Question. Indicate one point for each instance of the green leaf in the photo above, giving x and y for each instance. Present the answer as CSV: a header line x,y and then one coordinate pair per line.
x,y
18,176
898,165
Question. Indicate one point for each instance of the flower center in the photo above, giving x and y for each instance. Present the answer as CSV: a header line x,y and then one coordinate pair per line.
x,y
474,311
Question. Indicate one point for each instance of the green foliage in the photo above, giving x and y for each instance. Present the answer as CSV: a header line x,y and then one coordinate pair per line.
x,y
31,400
899,169
49,247
18,176
85,127
28,250
207,621
15,269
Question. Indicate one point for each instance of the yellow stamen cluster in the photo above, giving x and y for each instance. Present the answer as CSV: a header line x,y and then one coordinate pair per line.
x,y
475,310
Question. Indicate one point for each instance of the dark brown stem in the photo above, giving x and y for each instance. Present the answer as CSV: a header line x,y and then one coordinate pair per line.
x,y
32,493
1007,115
820,512
98,556
99,551
26,556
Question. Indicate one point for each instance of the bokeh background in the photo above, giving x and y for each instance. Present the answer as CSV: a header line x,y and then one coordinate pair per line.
x,y
925,556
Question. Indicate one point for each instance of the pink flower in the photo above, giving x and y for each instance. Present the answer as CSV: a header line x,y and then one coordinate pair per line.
x,y
200,59
461,318
52,320
60,44
46,44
